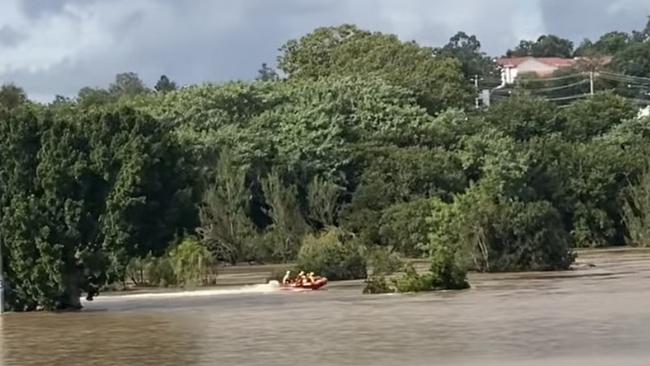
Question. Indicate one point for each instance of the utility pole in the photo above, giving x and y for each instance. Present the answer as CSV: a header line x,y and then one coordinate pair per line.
x,y
591,82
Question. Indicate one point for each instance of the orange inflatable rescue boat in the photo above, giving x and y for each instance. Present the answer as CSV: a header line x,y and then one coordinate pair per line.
x,y
305,283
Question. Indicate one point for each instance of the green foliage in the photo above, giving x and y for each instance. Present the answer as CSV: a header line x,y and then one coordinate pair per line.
x,y
545,46
377,285
397,175
383,261
323,200
127,84
634,60
447,270
523,117
164,85
347,50
502,234
267,73
11,96
404,226
83,193
332,254
592,117
467,50
636,212
193,264
412,281
151,271
446,273
608,44
287,222
225,226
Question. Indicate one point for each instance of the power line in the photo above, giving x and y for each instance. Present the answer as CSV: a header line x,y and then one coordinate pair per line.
x,y
568,98
640,78
623,79
568,86
552,79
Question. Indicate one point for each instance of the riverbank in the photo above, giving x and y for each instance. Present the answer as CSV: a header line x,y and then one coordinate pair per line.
x,y
589,262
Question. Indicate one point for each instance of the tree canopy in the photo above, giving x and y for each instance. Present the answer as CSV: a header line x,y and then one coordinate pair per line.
x,y
545,46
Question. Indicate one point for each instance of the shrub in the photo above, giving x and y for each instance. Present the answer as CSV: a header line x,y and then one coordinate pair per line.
x,y
384,261
404,227
377,285
502,235
446,271
160,272
637,213
412,281
332,254
193,264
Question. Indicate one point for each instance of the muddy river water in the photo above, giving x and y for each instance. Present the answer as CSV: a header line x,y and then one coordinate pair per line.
x,y
590,316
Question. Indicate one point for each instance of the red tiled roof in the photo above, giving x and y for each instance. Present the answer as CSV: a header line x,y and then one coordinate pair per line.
x,y
551,61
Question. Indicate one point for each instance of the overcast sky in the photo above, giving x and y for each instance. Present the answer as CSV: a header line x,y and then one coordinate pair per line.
x,y
58,46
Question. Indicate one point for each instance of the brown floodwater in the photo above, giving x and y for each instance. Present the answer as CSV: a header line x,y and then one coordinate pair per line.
x,y
590,316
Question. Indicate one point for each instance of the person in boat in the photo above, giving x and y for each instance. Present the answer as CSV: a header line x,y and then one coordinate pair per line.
x,y
300,279
310,278
286,278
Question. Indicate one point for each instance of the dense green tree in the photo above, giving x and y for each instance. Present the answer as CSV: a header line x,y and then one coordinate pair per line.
x,y
165,85
523,117
288,225
594,116
609,44
467,50
12,96
333,254
266,73
499,234
545,46
636,212
404,227
347,50
398,175
225,224
92,191
127,84
634,60
94,97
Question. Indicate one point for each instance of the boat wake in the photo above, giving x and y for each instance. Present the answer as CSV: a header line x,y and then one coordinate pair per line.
x,y
270,287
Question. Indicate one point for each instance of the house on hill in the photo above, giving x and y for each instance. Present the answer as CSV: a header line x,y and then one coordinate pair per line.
x,y
541,66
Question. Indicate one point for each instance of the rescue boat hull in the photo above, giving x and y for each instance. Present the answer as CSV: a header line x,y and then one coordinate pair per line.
x,y
317,284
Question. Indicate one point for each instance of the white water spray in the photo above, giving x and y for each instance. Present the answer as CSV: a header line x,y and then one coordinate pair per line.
x,y
270,287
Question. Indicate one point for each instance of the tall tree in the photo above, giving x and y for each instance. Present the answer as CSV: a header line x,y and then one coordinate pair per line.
x,y
84,193
545,46
467,50
12,96
634,60
437,82
266,73
643,35
164,85
608,44
88,96
127,84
